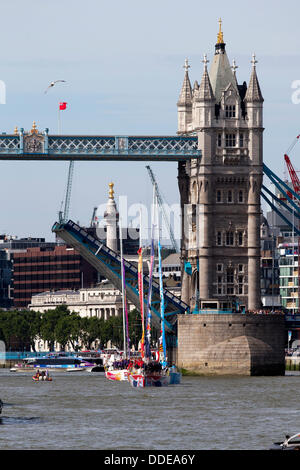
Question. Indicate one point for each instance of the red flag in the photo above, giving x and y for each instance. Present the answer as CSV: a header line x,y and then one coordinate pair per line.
x,y
62,106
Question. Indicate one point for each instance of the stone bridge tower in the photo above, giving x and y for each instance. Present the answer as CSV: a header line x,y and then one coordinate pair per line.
x,y
220,195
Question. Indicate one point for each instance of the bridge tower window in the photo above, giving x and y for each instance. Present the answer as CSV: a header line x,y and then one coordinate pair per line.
x,y
230,111
230,140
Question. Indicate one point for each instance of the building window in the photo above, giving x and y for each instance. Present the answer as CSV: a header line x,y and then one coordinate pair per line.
x,y
241,139
229,197
230,111
219,140
240,286
220,268
219,238
241,196
194,217
229,239
241,268
240,238
230,276
230,140
219,196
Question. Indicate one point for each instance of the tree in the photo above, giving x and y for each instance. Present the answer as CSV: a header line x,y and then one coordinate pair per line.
x,y
93,329
49,320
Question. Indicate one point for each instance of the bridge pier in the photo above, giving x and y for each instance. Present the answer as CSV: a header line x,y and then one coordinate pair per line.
x,y
236,344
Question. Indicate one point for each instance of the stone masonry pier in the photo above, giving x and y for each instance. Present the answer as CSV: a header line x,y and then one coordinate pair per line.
x,y
232,344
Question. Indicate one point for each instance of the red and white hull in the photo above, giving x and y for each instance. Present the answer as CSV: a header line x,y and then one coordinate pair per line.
x,y
116,374
141,380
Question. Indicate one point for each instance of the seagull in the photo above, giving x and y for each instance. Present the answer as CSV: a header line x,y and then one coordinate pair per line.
x,y
53,83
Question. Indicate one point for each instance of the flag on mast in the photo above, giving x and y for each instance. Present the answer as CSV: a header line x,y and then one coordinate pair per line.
x,y
163,346
141,295
149,315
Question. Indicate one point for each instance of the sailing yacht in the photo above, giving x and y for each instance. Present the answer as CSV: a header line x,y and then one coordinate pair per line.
x,y
117,370
146,372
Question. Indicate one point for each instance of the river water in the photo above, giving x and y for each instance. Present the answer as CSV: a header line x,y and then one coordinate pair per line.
x,y
84,410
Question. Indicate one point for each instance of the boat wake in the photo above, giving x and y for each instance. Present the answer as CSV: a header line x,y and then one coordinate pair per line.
x,y
9,420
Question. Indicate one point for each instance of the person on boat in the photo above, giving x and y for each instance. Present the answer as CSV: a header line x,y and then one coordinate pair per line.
x,y
43,375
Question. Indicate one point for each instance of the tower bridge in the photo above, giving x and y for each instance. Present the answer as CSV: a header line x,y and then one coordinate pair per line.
x,y
219,150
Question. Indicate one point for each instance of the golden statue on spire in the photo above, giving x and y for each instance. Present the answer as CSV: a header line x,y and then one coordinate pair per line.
x,y
111,190
220,33
34,129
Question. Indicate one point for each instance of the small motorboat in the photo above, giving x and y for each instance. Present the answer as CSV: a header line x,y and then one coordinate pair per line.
x,y
13,369
1,406
42,378
290,443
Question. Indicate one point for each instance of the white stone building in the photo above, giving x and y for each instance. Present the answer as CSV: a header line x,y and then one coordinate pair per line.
x,y
102,301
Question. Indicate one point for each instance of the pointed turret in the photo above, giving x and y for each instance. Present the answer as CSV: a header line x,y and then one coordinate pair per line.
x,y
185,103
186,94
221,74
205,92
234,69
253,92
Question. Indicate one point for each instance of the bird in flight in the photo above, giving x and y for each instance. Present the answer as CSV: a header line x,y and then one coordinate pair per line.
x,y
53,83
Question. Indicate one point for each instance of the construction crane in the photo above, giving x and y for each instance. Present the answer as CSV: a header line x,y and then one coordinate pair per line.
x,y
93,219
296,185
64,215
161,205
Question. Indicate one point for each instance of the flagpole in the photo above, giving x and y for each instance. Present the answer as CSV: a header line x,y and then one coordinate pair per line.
x,y
59,121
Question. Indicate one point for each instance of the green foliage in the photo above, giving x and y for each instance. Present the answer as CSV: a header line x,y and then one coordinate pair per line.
x,y
20,329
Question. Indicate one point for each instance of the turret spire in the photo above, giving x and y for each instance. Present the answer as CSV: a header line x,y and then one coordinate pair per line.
x,y
234,69
253,92
254,61
186,94
220,46
205,92
205,61
220,39
186,65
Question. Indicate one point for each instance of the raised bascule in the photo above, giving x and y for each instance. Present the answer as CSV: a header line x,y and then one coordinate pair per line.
x,y
219,150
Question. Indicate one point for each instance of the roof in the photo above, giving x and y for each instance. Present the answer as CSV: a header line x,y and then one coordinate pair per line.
x,y
254,92
173,258
57,292
205,92
186,91
221,74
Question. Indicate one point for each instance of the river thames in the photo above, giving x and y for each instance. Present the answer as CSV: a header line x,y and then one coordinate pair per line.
x,y
85,411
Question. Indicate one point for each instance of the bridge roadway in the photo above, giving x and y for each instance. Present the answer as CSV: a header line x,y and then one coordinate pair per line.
x,y
34,145
108,263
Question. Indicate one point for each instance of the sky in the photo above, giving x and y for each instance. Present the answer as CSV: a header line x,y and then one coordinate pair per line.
x,y
123,65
